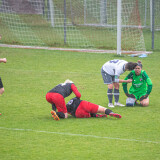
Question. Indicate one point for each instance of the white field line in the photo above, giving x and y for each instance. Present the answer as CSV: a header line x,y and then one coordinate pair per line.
x,y
79,135
59,49
75,50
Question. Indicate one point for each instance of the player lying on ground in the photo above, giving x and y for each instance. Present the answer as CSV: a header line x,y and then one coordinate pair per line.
x,y
57,94
84,109
111,72
141,86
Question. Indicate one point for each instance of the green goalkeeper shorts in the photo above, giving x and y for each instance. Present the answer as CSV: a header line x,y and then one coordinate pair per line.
x,y
138,95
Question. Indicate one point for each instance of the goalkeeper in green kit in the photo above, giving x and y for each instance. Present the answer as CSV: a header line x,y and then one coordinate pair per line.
x,y
141,86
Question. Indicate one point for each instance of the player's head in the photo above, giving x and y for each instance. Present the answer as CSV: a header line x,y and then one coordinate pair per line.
x,y
138,68
139,63
130,66
68,81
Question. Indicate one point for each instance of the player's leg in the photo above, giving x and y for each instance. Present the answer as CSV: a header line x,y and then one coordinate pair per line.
x,y
1,87
53,107
81,113
108,112
110,95
116,95
60,105
57,100
145,102
94,108
108,80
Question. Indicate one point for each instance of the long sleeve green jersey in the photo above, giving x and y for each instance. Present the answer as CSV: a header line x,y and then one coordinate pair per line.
x,y
140,83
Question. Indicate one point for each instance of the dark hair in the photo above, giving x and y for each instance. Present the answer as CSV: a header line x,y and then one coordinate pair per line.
x,y
130,66
139,63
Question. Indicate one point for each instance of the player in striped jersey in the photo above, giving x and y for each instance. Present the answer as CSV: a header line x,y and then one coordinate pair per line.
x,y
111,72
56,97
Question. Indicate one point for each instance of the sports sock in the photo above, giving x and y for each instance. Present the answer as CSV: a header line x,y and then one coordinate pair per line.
x,y
116,95
60,114
93,114
108,111
53,107
110,95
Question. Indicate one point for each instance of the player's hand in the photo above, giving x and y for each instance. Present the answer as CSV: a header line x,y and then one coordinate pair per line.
x,y
129,80
130,95
4,60
143,97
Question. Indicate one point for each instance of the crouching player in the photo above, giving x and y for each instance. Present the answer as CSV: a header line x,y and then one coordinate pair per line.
x,y
84,109
56,97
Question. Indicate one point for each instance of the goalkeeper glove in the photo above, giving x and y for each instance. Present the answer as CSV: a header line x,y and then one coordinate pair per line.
x,y
143,97
130,95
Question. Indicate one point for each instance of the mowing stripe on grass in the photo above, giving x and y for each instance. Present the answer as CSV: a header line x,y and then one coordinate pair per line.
x,y
80,135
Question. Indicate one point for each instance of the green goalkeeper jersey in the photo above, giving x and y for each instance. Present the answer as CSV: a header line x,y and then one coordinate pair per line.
x,y
141,84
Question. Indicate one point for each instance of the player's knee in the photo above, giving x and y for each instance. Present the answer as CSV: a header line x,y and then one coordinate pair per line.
x,y
101,109
145,104
116,85
110,86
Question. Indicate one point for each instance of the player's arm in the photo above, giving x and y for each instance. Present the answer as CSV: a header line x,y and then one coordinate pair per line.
x,y
149,82
124,84
117,80
75,91
125,81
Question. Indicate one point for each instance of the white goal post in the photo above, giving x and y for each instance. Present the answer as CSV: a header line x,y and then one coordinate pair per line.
x,y
79,24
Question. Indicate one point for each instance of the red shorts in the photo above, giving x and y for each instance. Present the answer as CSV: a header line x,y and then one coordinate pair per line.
x,y
85,108
58,100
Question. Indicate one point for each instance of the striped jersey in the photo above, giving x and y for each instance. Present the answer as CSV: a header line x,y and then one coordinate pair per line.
x,y
115,67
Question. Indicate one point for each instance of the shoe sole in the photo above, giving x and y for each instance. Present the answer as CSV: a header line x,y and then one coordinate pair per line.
x,y
55,116
116,115
119,105
111,106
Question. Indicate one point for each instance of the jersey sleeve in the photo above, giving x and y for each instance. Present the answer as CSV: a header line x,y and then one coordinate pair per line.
x,y
148,81
124,84
75,91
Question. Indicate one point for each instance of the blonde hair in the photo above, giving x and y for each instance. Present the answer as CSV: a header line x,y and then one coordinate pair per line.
x,y
68,81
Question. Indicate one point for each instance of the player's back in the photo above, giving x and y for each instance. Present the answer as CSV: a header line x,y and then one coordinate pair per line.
x,y
64,89
115,67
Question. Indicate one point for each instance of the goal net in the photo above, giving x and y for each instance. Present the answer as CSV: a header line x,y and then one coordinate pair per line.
x,y
81,24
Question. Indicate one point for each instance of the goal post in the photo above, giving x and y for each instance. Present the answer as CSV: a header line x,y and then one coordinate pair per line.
x,y
80,24
119,27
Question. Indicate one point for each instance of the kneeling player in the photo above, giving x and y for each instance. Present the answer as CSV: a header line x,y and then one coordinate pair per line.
x,y
141,86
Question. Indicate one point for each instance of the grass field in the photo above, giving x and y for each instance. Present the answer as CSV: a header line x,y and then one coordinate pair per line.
x,y
27,130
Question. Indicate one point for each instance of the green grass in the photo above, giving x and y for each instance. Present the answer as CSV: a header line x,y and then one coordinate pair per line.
x,y
27,130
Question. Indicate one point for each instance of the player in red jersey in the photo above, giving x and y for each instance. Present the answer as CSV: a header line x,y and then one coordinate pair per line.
x,y
84,109
56,97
